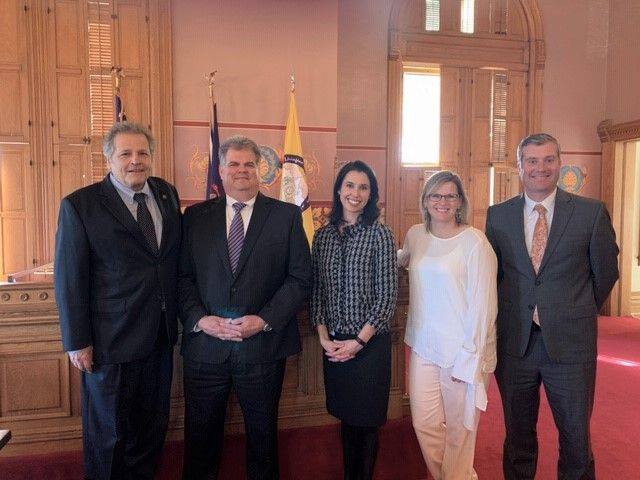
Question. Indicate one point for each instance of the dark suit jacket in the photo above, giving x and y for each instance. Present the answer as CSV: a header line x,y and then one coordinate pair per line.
x,y
109,284
272,280
578,270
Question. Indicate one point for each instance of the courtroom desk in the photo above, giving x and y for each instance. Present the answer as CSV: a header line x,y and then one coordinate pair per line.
x,y
40,389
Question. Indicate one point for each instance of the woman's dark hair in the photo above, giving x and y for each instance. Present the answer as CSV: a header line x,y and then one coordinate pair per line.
x,y
371,211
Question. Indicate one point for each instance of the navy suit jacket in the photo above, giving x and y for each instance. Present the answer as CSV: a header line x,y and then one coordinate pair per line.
x,y
272,279
578,271
110,286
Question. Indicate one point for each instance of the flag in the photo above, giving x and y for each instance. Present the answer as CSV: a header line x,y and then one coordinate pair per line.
x,y
120,115
293,186
214,182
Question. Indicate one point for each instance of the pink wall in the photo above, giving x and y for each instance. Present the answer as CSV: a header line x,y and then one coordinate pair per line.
x,y
362,84
575,81
254,45
623,68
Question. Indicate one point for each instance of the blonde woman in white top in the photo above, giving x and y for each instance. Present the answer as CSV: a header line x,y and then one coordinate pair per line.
x,y
450,327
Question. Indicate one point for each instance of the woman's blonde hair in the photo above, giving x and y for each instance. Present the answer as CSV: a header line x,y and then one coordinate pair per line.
x,y
431,185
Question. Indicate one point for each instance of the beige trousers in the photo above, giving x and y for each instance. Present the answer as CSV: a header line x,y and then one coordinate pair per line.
x,y
437,411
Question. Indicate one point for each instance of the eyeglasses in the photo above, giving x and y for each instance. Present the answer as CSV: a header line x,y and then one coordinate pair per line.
x,y
449,197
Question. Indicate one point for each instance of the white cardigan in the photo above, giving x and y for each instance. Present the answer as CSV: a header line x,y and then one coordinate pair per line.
x,y
453,306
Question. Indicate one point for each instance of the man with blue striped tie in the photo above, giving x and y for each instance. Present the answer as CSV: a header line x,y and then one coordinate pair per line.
x,y
245,271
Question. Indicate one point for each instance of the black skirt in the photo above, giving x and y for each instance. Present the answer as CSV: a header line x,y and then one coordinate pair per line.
x,y
358,390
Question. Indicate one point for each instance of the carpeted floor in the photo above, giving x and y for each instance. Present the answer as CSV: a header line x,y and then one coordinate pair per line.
x,y
314,453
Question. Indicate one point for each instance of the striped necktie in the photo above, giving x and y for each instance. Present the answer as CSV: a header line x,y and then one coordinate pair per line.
x,y
145,221
236,236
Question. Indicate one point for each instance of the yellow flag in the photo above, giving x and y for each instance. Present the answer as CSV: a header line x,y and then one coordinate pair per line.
x,y
293,187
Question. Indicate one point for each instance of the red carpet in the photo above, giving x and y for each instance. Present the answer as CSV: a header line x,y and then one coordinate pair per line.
x,y
314,453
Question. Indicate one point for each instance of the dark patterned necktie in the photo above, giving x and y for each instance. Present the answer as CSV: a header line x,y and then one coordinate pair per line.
x,y
236,236
145,221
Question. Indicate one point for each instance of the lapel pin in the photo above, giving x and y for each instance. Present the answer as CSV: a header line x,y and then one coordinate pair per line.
x,y
164,196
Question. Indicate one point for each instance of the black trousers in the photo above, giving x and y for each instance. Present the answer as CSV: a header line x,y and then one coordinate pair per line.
x,y
125,414
206,389
359,450
570,390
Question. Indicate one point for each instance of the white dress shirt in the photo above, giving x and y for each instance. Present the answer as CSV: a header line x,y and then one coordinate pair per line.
x,y
531,216
126,194
246,212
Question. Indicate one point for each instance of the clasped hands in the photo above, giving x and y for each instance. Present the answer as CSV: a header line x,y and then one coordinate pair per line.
x,y
232,329
340,350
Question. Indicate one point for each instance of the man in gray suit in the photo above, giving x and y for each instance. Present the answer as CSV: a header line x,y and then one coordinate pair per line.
x,y
557,262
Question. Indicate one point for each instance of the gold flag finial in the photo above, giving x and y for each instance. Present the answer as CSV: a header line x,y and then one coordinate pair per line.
x,y
210,78
292,79
117,75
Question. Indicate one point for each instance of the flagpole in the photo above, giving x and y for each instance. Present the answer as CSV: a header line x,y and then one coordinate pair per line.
x,y
214,188
210,78
293,182
117,76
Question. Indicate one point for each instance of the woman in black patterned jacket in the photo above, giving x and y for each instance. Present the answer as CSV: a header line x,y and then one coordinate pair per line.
x,y
354,296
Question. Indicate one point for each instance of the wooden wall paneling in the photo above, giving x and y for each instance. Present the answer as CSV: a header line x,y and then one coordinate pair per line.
x,y
70,165
411,183
506,183
161,87
450,16
516,114
480,149
516,22
476,172
394,135
627,232
35,386
14,64
16,167
451,106
500,20
619,146
634,304
482,16
412,15
132,54
16,208
479,194
39,391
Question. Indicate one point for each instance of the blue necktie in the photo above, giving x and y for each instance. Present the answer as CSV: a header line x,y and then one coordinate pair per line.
x,y
145,221
236,236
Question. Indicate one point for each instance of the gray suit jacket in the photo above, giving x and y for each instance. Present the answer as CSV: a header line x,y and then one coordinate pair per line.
x,y
578,270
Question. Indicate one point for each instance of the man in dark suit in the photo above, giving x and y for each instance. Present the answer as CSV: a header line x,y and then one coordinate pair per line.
x,y
557,263
116,270
245,270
